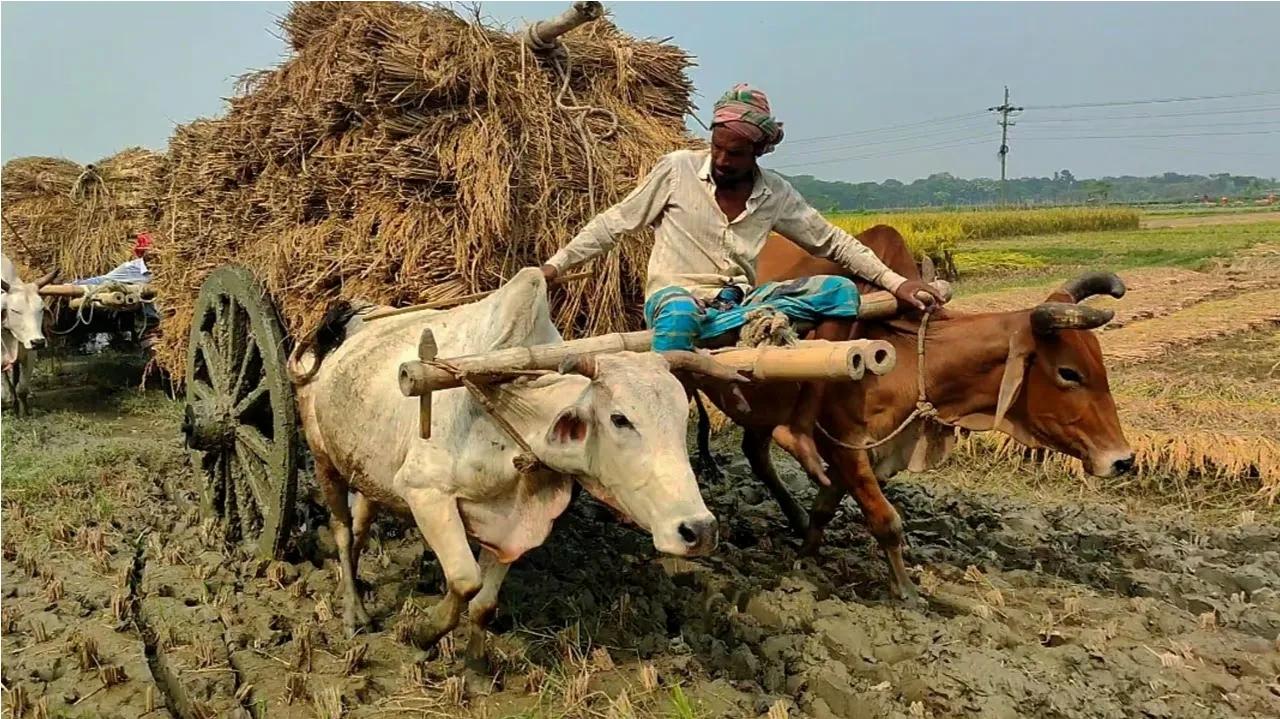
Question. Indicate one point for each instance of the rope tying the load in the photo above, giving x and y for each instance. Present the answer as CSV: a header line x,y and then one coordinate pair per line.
x,y
563,64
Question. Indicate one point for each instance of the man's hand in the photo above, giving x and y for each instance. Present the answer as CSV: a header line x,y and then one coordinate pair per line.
x,y
906,292
550,273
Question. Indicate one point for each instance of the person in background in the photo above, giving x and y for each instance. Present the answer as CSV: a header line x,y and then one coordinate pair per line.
x,y
712,211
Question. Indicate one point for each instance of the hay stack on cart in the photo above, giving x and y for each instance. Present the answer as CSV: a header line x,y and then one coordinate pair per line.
x,y
405,154
80,219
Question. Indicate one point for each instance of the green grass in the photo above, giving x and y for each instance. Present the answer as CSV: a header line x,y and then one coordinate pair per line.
x,y
1201,211
76,463
92,435
1023,261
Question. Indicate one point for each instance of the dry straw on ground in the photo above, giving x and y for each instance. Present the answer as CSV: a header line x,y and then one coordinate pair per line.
x,y
1153,338
81,220
405,154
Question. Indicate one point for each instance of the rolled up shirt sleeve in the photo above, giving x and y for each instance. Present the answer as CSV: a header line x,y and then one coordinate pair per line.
x,y
799,222
639,209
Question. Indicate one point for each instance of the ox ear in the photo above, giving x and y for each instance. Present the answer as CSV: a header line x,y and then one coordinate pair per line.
x,y
1021,346
565,448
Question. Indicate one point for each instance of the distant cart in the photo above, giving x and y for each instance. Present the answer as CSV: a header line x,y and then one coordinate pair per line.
x,y
119,304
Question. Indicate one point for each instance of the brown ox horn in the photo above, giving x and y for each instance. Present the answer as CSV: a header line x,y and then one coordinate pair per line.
x,y
47,278
1049,317
1094,283
584,365
686,361
4,286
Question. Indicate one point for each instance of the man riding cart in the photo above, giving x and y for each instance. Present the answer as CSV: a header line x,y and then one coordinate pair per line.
x,y
712,211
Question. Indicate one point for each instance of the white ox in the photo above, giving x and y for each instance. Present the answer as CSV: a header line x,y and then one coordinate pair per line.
x,y
21,330
616,423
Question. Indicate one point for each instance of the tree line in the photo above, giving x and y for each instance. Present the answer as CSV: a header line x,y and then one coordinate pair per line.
x,y
943,189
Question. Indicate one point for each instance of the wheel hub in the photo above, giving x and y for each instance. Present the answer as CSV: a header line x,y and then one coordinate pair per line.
x,y
209,426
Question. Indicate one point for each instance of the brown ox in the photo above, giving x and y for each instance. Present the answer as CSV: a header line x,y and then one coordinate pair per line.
x,y
1035,374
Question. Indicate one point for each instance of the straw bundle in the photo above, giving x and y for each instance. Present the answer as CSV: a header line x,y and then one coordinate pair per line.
x,y
404,155
79,219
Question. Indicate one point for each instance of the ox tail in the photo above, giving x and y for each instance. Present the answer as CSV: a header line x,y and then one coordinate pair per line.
x,y
326,338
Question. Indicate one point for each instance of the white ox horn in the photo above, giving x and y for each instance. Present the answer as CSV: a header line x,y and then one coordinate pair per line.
x,y
47,278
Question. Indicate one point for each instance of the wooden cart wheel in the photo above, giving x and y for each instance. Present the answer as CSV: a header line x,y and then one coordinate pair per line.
x,y
241,417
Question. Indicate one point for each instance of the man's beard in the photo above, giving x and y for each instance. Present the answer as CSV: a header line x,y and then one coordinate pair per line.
x,y
723,179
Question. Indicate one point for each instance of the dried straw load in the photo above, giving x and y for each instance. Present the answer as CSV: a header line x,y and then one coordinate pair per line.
x,y
404,155
79,219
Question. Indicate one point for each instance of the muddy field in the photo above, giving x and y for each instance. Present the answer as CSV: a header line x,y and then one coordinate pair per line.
x,y
118,603
1043,594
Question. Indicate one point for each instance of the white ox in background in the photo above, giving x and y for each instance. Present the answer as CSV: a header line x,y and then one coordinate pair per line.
x,y
21,331
614,422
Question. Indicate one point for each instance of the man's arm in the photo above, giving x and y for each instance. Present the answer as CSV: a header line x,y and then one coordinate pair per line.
x,y
805,226
639,209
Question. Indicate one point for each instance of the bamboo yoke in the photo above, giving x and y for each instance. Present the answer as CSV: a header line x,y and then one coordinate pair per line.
x,y
805,361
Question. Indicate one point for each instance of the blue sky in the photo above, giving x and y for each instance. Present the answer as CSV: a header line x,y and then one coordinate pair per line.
x,y
902,86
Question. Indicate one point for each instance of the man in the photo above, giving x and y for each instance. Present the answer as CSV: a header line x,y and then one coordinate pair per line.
x,y
712,212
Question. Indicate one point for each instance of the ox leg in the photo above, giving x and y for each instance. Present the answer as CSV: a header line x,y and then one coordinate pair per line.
x,y
354,616
882,519
21,385
485,603
706,463
797,436
820,515
441,525
362,513
755,446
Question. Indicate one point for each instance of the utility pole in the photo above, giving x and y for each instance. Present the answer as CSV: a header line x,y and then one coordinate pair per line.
x,y
1005,111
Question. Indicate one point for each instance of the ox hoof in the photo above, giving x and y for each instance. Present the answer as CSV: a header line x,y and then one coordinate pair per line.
x,y
708,471
812,543
428,634
356,621
906,595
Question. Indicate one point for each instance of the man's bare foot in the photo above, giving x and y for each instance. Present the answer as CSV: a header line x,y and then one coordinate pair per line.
x,y
801,446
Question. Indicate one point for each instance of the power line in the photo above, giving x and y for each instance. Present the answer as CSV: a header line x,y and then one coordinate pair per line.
x,y
1192,126
969,127
1119,103
1146,116
963,142
1146,137
886,128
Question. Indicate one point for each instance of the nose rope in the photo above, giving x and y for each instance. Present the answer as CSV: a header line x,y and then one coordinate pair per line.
x,y
924,408
527,461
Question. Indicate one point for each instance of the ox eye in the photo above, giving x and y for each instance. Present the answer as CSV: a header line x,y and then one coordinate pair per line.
x,y
1070,376
620,421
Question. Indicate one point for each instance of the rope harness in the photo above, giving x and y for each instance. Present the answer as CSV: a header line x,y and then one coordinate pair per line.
x,y
923,409
525,462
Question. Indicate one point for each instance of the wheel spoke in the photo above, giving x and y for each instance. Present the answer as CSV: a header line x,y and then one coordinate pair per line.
x,y
217,489
245,506
228,492
201,389
255,442
213,360
250,350
249,399
255,472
